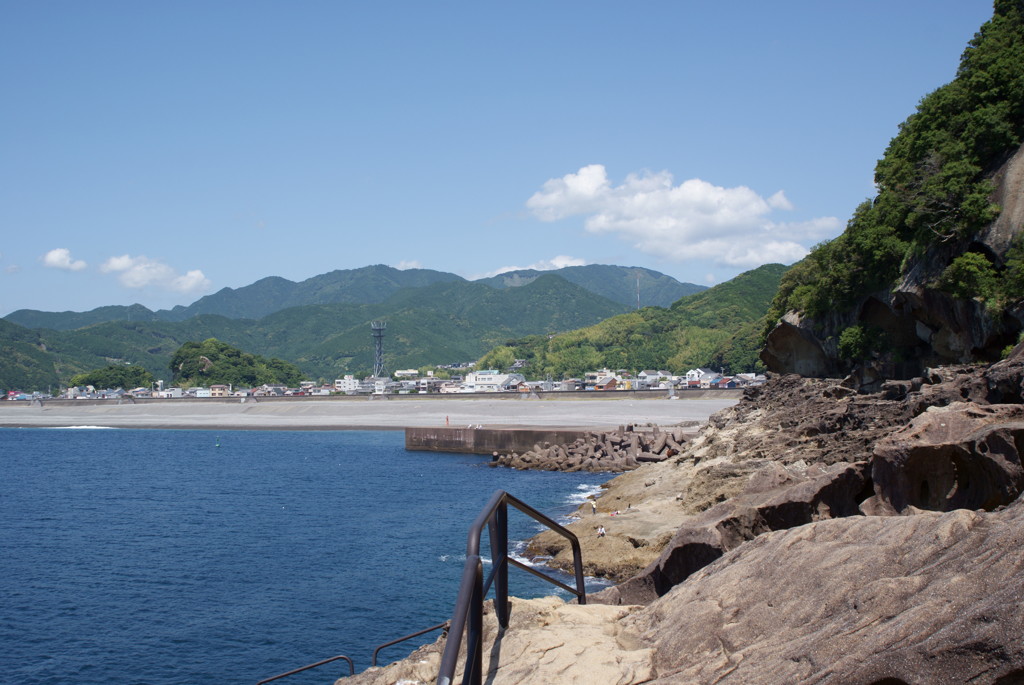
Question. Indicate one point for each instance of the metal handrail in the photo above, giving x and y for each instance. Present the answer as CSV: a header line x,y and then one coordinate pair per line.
x,y
351,669
468,613
444,625
351,666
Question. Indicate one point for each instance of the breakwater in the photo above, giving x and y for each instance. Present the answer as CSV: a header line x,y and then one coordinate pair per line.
x,y
472,440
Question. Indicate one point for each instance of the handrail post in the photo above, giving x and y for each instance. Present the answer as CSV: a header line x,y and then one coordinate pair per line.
x,y
577,565
475,630
498,532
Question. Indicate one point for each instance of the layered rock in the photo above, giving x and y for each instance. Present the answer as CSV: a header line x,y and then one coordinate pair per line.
x,y
799,450
776,498
747,558
932,599
963,456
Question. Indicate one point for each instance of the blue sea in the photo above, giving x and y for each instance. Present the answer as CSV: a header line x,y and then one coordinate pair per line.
x,y
148,556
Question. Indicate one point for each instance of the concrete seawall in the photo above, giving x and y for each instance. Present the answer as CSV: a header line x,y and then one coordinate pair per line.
x,y
485,440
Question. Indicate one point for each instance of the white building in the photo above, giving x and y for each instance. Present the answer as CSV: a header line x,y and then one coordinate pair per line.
x,y
491,381
346,384
698,375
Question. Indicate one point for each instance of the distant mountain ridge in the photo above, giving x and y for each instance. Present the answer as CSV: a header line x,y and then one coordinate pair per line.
x,y
628,285
365,285
718,327
444,322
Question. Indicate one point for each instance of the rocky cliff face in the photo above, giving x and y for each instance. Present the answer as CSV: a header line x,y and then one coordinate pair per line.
x,y
922,325
808,534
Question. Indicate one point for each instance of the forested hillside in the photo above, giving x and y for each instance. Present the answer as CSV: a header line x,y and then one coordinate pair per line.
x,y
366,285
445,322
625,285
931,270
719,327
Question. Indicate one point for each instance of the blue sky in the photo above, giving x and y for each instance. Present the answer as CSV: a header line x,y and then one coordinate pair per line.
x,y
155,152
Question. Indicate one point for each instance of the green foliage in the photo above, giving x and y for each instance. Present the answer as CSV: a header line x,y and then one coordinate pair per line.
x,y
25,362
439,323
932,181
500,358
1013,272
718,326
213,362
114,376
971,275
859,342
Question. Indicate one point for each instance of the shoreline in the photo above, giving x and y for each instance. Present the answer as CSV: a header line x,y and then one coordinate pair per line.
x,y
571,414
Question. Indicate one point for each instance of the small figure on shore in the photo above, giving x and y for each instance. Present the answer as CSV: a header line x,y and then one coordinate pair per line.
x,y
593,507
600,531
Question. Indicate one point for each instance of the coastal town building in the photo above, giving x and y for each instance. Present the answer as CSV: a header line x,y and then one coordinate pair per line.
x,y
346,384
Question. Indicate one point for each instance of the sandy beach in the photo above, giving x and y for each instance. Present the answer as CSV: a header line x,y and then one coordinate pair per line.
x,y
360,413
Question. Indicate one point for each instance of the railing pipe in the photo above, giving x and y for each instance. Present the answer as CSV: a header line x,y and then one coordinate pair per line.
x,y
472,573
351,669
376,651
468,613
497,528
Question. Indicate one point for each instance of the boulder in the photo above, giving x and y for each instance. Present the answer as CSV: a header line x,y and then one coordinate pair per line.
x,y
963,456
765,505
930,599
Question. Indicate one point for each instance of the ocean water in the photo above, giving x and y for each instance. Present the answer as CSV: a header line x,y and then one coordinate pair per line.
x,y
132,556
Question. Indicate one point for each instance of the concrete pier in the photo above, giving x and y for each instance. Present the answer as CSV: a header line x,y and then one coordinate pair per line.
x,y
486,440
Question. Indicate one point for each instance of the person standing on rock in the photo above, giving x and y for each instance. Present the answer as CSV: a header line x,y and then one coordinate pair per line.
x,y
593,507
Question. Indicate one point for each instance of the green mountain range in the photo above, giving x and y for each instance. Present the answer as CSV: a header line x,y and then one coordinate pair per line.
x,y
719,327
366,285
447,321
632,286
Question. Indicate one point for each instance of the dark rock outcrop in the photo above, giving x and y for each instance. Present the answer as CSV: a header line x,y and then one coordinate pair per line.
x,y
963,456
930,599
923,325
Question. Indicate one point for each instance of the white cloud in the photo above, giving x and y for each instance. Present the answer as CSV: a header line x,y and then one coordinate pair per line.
x,y
142,272
694,220
60,258
408,264
557,262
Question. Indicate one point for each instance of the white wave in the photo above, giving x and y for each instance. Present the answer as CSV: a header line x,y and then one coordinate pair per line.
x,y
584,493
89,428
461,559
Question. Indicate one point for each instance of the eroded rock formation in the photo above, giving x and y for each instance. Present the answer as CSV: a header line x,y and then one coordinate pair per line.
x,y
808,534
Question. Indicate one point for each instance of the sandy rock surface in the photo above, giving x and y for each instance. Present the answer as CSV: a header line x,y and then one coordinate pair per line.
x,y
547,641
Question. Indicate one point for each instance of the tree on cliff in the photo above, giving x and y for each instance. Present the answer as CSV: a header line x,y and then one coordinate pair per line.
x,y
213,362
934,191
